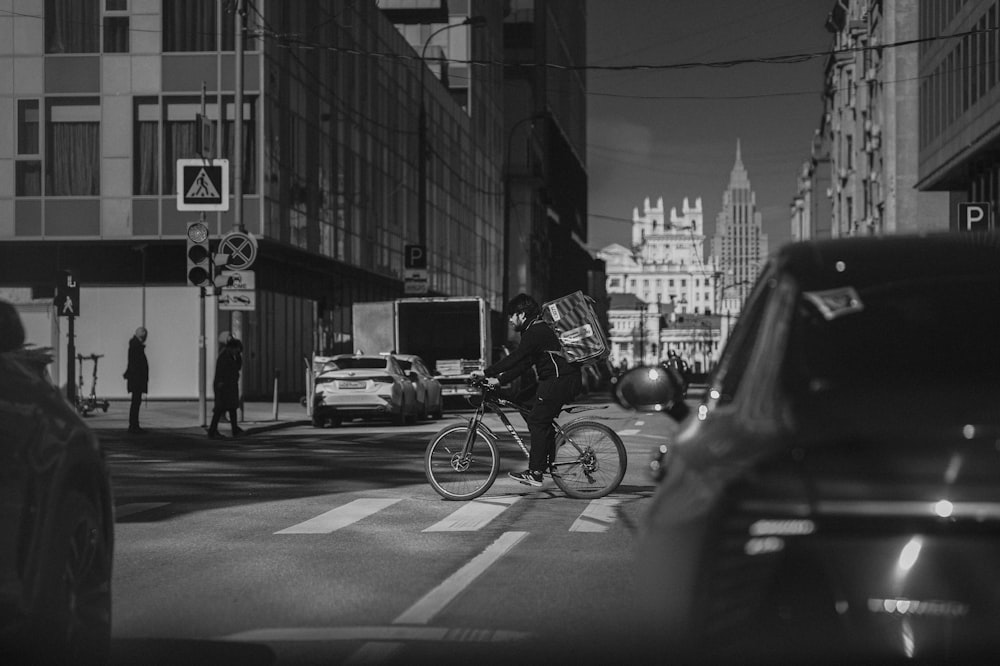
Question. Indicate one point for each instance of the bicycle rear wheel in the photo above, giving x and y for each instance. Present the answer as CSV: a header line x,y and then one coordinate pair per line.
x,y
458,476
590,460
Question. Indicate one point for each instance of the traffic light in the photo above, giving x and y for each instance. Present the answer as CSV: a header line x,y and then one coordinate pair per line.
x,y
199,258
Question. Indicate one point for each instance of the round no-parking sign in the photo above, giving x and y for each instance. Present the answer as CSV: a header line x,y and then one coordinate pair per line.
x,y
240,247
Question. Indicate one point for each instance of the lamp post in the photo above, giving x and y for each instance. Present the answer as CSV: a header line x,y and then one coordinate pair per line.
x,y
422,133
508,204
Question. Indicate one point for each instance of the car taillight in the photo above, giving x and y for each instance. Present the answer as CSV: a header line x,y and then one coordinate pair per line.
x,y
382,380
323,380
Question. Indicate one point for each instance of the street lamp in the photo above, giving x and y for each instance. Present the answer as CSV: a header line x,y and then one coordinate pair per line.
x,y
507,204
422,134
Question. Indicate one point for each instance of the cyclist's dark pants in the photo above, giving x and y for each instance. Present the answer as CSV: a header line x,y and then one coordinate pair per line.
x,y
549,400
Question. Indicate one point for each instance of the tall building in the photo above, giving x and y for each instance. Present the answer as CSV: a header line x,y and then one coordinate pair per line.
x,y
864,172
99,99
545,149
957,121
739,247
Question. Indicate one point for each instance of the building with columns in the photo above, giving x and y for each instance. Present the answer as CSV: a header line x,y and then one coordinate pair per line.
x,y
670,284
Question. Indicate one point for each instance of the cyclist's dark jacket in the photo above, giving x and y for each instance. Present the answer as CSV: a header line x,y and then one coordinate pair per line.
x,y
540,350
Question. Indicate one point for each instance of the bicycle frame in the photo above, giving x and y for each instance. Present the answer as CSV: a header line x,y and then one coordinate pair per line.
x,y
496,405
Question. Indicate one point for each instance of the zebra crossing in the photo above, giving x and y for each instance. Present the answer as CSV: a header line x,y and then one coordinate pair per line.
x,y
597,515
594,516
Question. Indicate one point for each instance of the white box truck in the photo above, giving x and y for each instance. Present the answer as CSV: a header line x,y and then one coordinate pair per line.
x,y
451,334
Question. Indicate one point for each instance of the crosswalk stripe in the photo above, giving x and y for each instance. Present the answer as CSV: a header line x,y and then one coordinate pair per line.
x,y
342,516
597,517
474,515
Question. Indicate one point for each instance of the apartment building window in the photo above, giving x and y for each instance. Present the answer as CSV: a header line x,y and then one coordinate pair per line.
x,y
72,26
28,168
146,150
116,26
195,25
180,141
189,25
73,146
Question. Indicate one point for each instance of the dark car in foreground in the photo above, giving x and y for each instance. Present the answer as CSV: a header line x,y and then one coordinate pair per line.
x,y
56,517
835,498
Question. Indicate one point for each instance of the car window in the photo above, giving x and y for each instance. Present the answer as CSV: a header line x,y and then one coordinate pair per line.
x,y
354,363
404,364
927,330
736,356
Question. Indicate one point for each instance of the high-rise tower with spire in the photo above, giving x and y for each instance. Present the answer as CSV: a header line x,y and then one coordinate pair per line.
x,y
739,246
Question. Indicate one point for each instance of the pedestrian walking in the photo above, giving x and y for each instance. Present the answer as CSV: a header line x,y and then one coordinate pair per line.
x,y
227,386
136,377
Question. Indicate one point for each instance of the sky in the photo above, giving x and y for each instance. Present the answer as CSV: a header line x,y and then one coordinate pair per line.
x,y
672,132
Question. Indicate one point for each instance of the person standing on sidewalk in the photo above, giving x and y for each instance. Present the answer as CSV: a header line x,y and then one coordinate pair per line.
x,y
136,377
227,386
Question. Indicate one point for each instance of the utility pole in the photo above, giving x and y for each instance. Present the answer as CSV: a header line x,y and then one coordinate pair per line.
x,y
236,319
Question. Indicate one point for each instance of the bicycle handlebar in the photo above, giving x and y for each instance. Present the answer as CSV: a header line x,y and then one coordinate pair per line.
x,y
482,383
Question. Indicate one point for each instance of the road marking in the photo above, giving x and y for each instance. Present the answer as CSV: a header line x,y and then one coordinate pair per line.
x,y
597,517
640,423
340,517
474,515
432,603
377,633
136,507
629,431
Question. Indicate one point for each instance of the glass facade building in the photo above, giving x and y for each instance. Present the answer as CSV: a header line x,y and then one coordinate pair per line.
x,y
100,98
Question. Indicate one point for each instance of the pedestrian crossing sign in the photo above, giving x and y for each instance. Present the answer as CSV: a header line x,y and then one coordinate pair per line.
x,y
202,184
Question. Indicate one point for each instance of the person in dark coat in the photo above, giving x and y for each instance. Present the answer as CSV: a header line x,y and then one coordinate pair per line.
x,y
136,377
227,387
539,357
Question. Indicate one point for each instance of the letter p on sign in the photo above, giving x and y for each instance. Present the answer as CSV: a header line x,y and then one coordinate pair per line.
x,y
974,216
415,256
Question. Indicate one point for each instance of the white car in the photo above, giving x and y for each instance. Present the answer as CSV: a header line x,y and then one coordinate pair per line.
x,y
362,386
426,384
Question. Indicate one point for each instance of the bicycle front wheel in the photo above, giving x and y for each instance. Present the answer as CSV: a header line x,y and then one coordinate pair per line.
x,y
457,472
590,460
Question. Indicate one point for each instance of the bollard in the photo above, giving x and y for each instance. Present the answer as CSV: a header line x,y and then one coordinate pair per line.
x,y
274,415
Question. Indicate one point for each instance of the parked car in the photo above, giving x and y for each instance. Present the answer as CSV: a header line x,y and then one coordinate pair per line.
x,y
835,498
426,385
56,516
362,386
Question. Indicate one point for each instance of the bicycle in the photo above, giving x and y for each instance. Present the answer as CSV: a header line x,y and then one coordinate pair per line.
x,y
462,460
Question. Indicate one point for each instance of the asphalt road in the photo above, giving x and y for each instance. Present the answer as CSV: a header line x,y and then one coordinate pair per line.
x,y
307,546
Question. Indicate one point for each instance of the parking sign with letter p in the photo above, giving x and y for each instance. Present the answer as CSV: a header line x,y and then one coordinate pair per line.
x,y
974,216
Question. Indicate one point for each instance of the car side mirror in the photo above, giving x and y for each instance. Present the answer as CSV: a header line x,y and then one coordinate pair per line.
x,y
11,329
651,389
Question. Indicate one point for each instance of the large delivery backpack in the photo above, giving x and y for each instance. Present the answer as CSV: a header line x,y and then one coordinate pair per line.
x,y
574,320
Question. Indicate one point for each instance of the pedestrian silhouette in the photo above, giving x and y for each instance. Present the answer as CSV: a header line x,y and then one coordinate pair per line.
x,y
227,385
136,377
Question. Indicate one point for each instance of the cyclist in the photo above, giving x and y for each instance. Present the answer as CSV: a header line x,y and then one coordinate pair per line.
x,y
558,381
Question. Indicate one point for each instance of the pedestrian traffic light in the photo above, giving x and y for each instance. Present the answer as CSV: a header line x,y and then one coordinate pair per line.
x,y
199,259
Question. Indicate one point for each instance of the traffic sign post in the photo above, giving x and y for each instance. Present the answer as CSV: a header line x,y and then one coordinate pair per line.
x,y
415,278
202,184
974,216
241,248
67,304
67,299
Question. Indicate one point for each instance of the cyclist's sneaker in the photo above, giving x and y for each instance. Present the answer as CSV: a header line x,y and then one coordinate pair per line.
x,y
527,477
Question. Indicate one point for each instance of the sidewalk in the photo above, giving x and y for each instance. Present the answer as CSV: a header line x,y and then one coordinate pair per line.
x,y
183,415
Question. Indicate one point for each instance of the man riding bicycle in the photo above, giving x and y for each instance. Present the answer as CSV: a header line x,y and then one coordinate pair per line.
x,y
558,381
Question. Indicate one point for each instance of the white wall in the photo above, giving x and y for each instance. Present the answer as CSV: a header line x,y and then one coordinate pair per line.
x,y
109,317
